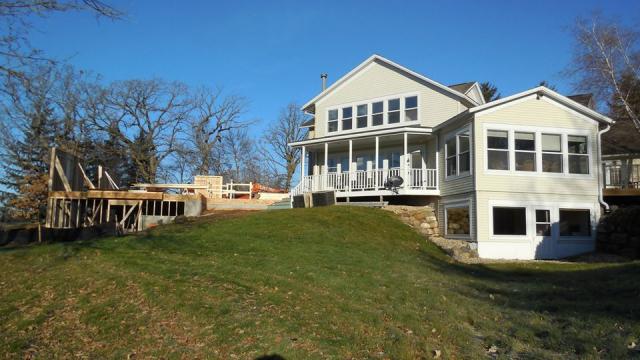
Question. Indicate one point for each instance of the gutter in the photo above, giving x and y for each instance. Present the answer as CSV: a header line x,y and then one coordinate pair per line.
x,y
601,184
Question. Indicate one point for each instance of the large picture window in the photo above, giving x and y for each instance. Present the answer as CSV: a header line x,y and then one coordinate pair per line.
x,y
509,221
498,150
458,220
575,222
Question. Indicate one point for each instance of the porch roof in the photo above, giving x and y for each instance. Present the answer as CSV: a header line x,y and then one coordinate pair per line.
x,y
365,134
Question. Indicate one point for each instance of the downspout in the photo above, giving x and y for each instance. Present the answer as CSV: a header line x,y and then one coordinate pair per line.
x,y
601,183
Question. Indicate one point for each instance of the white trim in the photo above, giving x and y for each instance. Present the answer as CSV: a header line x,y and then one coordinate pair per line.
x,y
456,133
458,203
364,134
538,130
369,102
580,109
342,81
479,89
554,207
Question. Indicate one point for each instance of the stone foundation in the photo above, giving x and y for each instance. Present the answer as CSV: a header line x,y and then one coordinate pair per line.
x,y
421,217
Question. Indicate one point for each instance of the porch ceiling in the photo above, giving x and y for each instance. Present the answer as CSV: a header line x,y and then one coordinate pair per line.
x,y
369,142
366,136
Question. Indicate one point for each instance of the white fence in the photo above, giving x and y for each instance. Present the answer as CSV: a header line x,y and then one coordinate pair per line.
x,y
369,180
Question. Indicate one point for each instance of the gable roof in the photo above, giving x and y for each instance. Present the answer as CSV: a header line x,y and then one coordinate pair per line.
x,y
462,87
541,90
584,99
377,58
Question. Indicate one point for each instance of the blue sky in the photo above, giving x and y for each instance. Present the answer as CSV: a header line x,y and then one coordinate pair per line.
x,y
272,52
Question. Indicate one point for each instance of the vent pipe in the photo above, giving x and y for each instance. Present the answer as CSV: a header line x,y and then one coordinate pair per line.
x,y
323,76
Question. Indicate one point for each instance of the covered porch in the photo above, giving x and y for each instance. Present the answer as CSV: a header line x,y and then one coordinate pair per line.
x,y
360,164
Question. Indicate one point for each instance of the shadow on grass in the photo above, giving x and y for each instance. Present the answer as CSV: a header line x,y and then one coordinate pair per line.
x,y
270,357
561,306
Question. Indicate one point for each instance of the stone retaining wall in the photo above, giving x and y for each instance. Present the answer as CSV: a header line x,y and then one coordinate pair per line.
x,y
422,217
619,233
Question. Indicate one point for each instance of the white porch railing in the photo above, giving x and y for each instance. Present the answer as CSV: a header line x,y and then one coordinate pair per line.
x,y
368,181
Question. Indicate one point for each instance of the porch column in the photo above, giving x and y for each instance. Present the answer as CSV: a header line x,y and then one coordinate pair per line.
x,y
405,172
437,180
375,181
350,164
326,166
304,149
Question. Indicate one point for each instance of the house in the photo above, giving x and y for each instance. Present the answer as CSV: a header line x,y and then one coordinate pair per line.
x,y
519,176
621,161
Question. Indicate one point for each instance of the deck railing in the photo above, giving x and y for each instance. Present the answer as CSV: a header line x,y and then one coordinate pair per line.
x,y
615,176
367,180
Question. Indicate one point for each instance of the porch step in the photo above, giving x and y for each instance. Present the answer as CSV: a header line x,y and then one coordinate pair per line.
x,y
375,204
282,204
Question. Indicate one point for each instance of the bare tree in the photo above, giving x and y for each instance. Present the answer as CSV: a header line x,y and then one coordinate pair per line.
x,y
145,117
605,53
287,129
214,115
15,50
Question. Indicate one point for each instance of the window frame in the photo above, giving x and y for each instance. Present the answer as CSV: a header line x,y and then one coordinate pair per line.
x,y
370,114
527,219
547,152
539,131
534,151
456,204
343,118
464,131
507,150
572,237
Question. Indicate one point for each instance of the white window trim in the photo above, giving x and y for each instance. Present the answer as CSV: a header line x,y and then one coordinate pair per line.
x,y
456,133
458,204
554,207
563,132
369,103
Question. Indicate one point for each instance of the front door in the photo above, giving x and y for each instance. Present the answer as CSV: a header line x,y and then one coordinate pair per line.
x,y
415,175
543,241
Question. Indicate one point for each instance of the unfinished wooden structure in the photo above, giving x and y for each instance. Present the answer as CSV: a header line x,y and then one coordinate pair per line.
x,y
75,201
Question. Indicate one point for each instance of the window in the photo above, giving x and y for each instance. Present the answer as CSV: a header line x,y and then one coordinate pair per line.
x,y
347,118
393,111
452,166
578,155
575,222
498,150
457,219
361,120
411,108
393,160
525,151
543,222
464,160
332,165
333,120
551,153
361,162
509,221
344,164
377,117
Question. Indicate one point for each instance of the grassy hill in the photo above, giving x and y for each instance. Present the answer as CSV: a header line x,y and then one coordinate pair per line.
x,y
334,282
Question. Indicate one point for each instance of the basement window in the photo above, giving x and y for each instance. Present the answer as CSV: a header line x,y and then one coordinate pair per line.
x,y
575,222
509,221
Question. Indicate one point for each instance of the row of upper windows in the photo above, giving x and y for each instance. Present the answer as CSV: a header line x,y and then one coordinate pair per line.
x,y
537,152
390,111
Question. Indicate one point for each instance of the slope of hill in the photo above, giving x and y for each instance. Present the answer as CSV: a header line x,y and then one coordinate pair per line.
x,y
335,282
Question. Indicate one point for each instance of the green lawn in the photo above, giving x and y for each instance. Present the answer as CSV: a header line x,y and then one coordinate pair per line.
x,y
320,283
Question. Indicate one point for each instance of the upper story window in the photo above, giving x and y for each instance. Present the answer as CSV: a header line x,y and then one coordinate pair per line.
x,y
551,153
347,118
578,155
457,154
498,150
378,112
393,111
361,120
519,151
333,120
411,108
525,144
